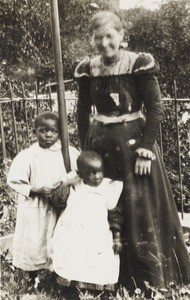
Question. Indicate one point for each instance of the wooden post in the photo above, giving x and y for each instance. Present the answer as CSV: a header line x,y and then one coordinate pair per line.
x,y
161,140
64,135
50,99
37,101
178,149
25,112
14,119
2,135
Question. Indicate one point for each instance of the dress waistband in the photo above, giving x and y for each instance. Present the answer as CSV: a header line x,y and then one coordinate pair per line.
x,y
118,119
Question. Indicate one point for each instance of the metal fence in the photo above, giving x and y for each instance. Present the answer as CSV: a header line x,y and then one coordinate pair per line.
x,y
38,101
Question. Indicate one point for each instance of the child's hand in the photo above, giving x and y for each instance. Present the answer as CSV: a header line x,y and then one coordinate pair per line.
x,y
117,245
43,191
73,181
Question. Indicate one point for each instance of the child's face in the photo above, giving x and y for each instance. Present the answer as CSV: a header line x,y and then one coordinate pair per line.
x,y
92,173
47,133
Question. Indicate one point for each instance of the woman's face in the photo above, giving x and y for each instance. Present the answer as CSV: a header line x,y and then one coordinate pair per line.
x,y
106,39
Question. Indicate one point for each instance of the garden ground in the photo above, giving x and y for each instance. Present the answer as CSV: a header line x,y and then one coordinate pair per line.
x,y
15,283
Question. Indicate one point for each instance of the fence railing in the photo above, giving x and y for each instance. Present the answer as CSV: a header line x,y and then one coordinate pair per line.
x,y
176,102
23,101
37,101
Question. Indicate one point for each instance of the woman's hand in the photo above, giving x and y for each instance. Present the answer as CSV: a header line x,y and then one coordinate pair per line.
x,y
142,152
142,166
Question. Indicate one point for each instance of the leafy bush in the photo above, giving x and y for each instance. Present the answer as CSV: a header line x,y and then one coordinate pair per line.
x,y
7,205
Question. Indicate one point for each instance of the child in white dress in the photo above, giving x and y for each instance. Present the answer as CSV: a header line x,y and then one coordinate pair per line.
x,y
33,175
84,253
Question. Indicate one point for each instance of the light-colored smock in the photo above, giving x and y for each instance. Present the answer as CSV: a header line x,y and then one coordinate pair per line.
x,y
36,167
82,241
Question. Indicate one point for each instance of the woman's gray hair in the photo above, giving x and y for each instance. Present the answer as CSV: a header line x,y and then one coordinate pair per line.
x,y
103,17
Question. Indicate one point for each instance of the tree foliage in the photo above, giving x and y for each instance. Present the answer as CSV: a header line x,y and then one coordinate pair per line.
x,y
166,34
27,42
26,38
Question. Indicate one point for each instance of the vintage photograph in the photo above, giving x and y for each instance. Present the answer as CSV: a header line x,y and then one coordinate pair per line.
x,y
95,149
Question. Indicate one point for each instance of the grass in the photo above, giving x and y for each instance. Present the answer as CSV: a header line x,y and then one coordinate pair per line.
x,y
15,285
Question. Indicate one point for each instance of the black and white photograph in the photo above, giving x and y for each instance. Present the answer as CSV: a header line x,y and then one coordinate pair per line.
x,y
95,149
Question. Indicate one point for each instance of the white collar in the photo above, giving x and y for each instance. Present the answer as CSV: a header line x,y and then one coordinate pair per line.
x,y
36,149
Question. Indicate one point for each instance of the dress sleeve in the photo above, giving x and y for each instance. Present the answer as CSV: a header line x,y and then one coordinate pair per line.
x,y
113,193
84,104
116,216
145,70
19,174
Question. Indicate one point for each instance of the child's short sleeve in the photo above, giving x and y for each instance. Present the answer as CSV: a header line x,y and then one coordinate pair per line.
x,y
113,192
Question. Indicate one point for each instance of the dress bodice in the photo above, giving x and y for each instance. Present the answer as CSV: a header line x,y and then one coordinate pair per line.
x,y
116,94
115,87
120,88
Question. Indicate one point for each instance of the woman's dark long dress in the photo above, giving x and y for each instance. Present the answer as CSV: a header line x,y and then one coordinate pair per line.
x,y
154,248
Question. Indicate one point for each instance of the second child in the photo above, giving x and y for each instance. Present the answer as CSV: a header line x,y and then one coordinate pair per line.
x,y
85,250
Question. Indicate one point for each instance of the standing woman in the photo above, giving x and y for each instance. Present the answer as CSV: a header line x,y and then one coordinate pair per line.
x,y
118,83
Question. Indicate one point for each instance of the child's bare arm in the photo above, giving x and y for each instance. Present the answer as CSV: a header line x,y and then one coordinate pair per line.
x,y
117,245
72,181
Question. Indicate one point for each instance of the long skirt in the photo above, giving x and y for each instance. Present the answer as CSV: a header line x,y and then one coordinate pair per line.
x,y
154,250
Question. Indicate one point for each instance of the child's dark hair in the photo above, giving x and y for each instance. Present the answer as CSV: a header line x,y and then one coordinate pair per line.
x,y
46,115
86,156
